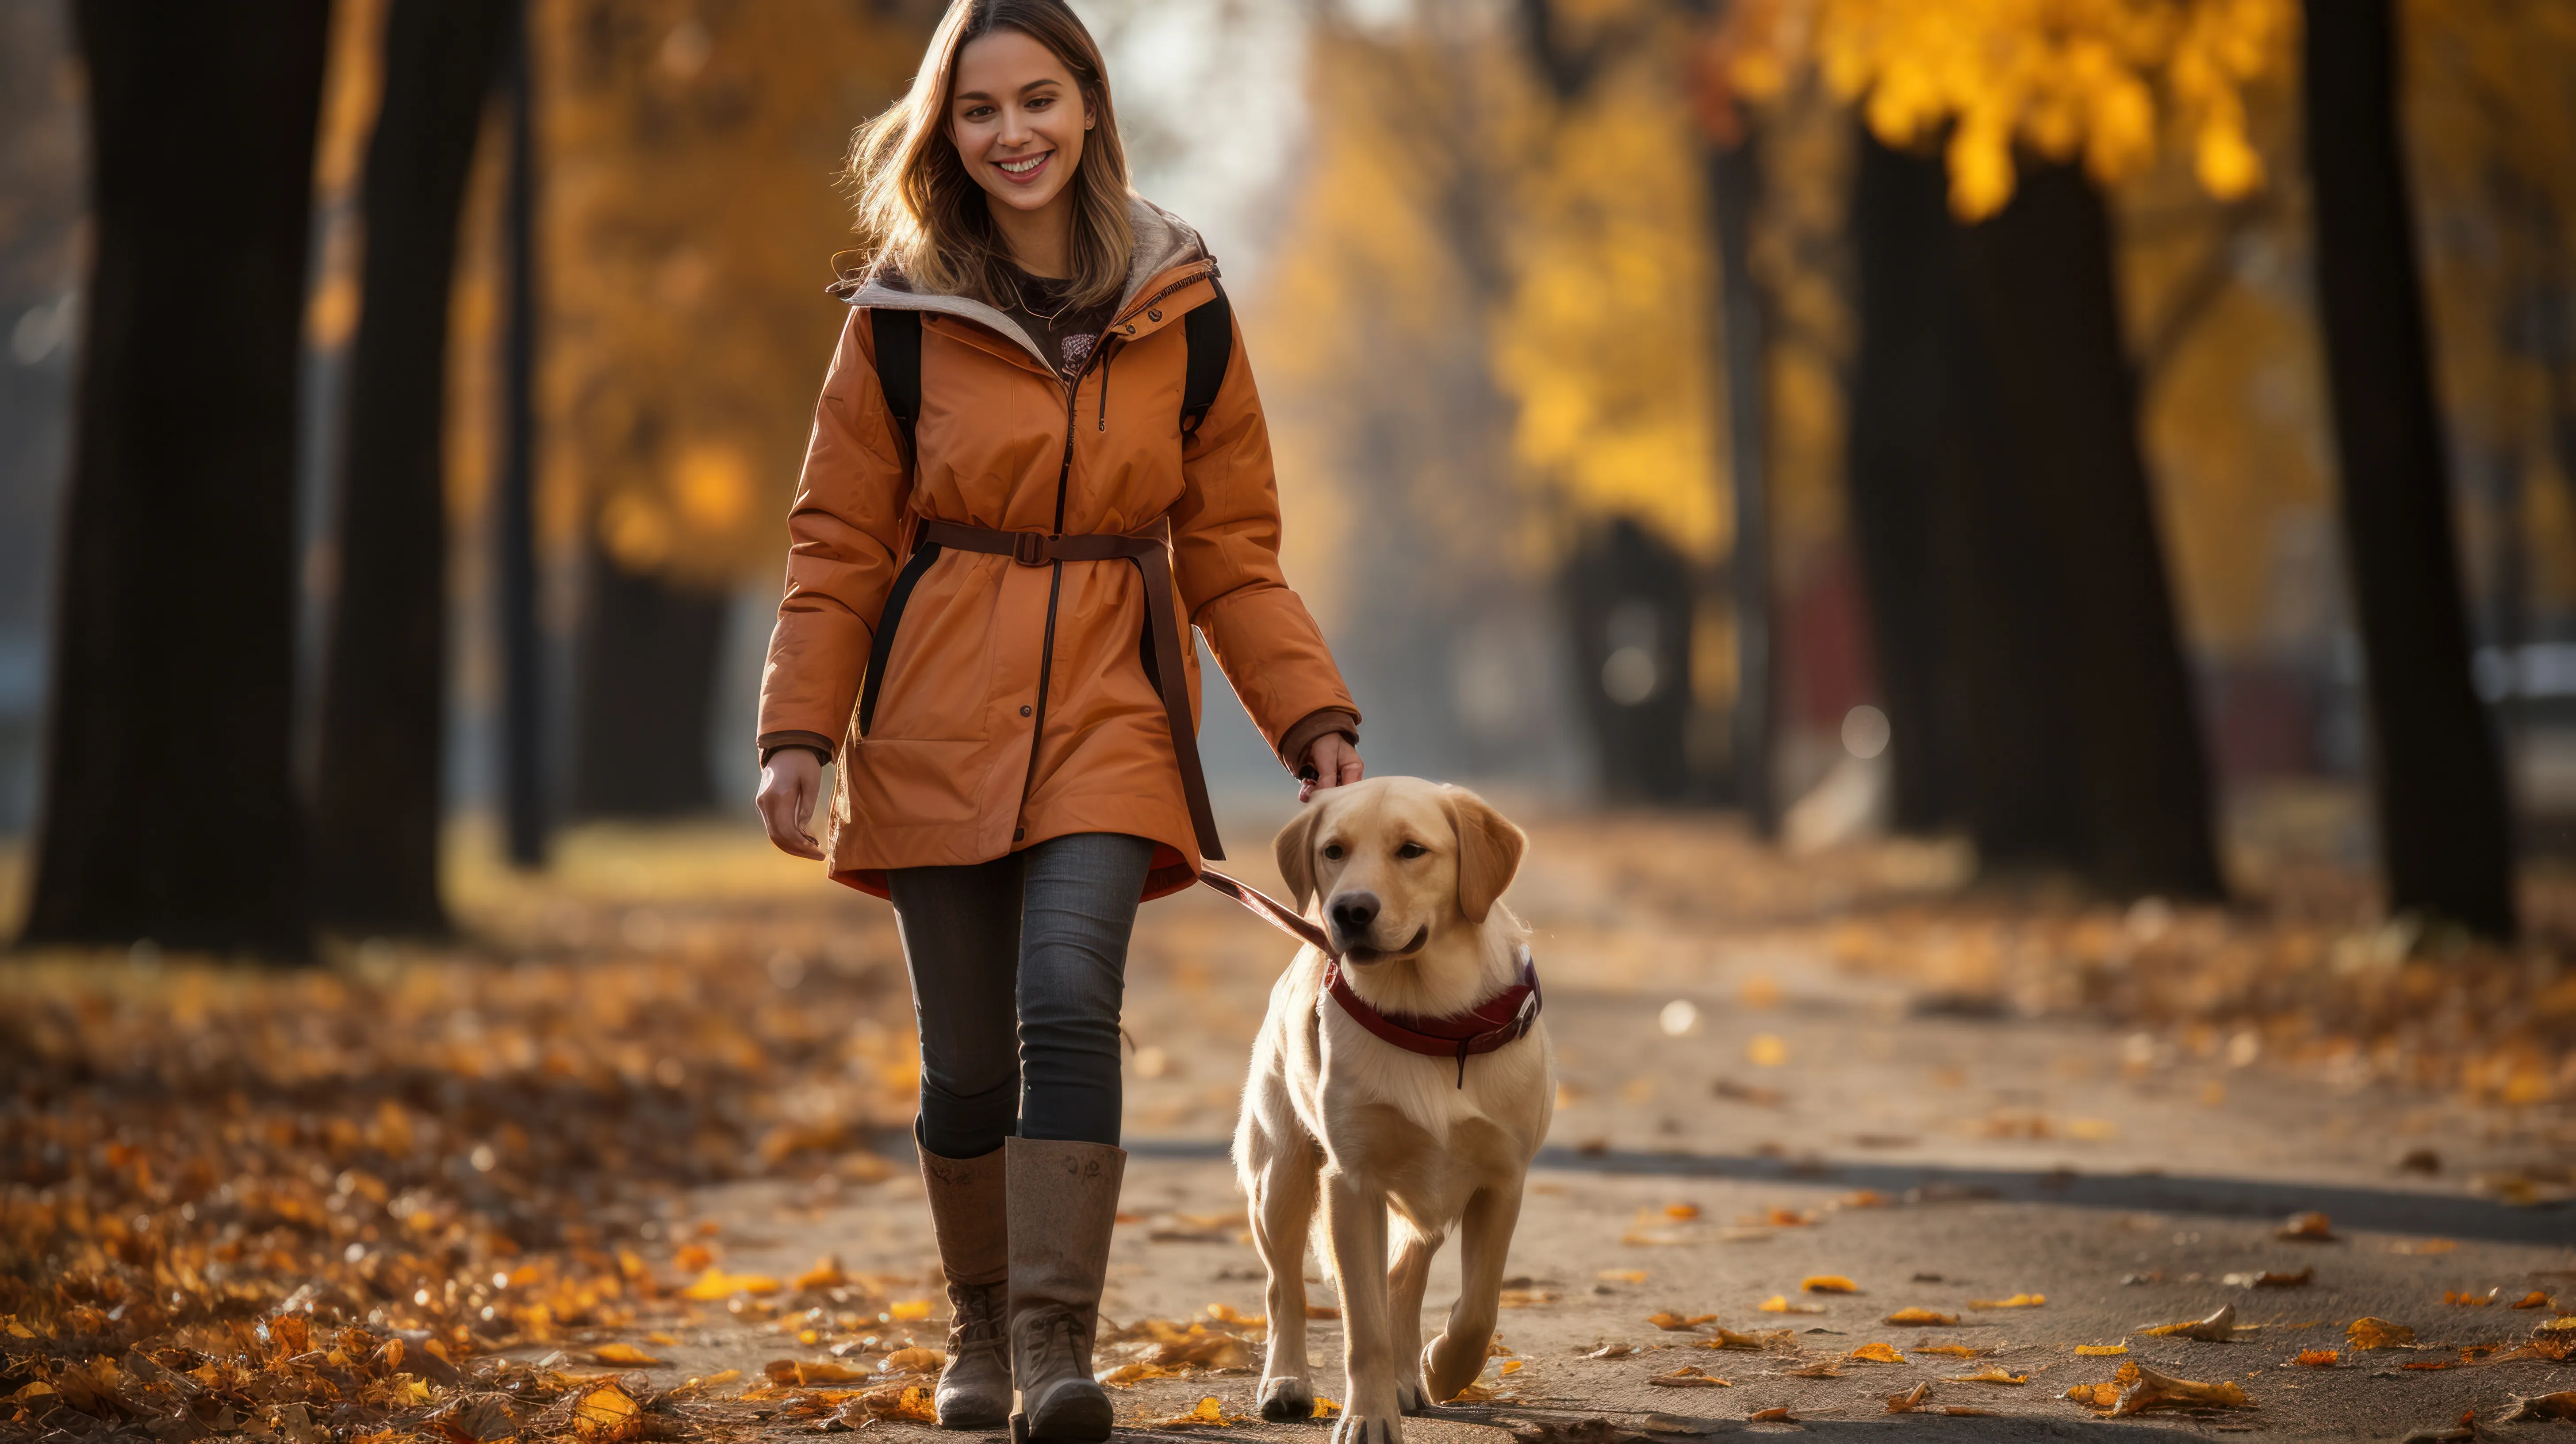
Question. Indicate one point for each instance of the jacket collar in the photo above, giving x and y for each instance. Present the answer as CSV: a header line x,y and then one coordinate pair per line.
x,y
1164,242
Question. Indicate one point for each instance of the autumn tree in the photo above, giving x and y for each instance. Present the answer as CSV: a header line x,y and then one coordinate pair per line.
x,y
2444,830
378,799
169,809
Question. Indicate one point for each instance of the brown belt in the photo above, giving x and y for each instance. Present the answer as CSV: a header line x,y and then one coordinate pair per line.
x,y
1150,550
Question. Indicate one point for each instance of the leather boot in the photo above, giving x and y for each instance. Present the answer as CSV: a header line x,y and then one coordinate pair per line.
x,y
969,1215
1064,1200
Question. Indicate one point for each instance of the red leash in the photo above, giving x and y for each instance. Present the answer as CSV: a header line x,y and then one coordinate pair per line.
x,y
1502,1019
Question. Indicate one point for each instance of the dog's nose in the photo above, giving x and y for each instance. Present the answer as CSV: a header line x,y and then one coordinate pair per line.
x,y
1352,913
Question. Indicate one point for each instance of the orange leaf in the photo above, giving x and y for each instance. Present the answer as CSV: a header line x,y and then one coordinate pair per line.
x,y
626,1354
1674,1323
1779,1304
1828,1284
1877,1353
2017,1301
2320,1358
1920,1318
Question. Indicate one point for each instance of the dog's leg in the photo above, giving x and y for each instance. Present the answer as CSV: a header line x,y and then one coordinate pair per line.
x,y
1355,1212
1404,1285
1283,1210
1484,1241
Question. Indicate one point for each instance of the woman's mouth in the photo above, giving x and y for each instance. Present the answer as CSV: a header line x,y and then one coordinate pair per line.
x,y
1024,169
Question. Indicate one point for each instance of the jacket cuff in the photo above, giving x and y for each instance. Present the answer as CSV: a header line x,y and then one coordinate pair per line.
x,y
814,742
1297,740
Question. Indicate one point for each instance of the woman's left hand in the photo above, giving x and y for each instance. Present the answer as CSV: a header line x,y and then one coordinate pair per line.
x,y
1335,762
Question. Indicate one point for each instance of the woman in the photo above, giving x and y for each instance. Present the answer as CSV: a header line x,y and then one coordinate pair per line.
x,y
999,539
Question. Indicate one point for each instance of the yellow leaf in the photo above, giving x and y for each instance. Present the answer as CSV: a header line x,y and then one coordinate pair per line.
x,y
1828,1284
1779,1304
659,1337
2372,1333
1921,1318
825,1274
715,1286
626,1354
2017,1301
1990,1374
909,1311
1957,1351
1766,1050
1510,1366
2100,1350
913,1361
2320,1358
1877,1353
1622,1276
1689,1376
607,1415
1681,1210
1675,1323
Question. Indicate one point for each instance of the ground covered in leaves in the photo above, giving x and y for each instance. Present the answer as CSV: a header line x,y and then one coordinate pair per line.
x,y
453,1191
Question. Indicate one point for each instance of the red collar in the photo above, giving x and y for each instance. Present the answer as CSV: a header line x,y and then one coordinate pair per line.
x,y
1504,1018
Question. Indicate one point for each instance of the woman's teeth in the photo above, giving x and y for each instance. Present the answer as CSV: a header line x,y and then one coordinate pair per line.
x,y
1023,167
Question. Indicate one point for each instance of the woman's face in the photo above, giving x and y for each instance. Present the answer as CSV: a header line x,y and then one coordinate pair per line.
x,y
1018,119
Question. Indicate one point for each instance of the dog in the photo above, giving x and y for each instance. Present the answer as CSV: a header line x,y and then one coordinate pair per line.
x,y
1405,877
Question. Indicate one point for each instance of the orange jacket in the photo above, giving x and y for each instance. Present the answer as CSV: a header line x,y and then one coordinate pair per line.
x,y
1014,706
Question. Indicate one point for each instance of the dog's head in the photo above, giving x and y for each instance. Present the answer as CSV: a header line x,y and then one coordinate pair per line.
x,y
1398,862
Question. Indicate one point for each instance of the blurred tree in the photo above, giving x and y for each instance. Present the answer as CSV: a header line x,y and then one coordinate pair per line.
x,y
1629,596
169,808
689,217
378,799
2443,826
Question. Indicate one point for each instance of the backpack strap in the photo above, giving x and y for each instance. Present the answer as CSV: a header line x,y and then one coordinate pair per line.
x,y
898,338
1210,333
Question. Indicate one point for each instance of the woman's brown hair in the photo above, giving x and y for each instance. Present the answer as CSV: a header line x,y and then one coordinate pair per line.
x,y
922,216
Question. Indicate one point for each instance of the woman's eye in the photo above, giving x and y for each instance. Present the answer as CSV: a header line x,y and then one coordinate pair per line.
x,y
1411,850
1042,102
1333,852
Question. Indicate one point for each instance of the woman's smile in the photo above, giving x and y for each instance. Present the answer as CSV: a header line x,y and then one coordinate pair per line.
x,y
1026,169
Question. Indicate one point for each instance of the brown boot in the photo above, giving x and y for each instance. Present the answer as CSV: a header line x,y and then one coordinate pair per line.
x,y
1064,1200
969,1215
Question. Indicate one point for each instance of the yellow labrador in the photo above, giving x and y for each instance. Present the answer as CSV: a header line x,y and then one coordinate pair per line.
x,y
1404,876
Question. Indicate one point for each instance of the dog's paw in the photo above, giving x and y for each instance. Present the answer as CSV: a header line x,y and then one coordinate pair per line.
x,y
1450,1364
1357,1428
1285,1400
1409,1397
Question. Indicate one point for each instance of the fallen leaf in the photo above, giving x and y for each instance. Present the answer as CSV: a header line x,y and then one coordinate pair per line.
x,y
2563,1324
1322,1311
1779,1304
2137,1388
1681,1210
1127,1374
1776,1414
2424,1246
825,1274
1611,1351
1326,1408
2309,1227
909,1311
913,1361
1525,1298
1675,1323
607,1415
2468,1300
1622,1276
2561,1405
1821,1369
1689,1376
790,1372
1956,1351
691,1257
2097,1351
2370,1333
1877,1353
715,1286
664,1339
1990,1374
1827,1284
2319,1358
1921,1318
2433,1366
1726,1338
1510,1366
2017,1301
1911,1400
2534,1300
2273,1279
2218,1328
1210,1411
626,1354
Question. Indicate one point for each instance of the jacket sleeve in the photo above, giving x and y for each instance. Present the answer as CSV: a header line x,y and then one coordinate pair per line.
x,y
1225,544
844,537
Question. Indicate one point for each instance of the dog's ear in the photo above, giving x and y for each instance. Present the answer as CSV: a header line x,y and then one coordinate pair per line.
x,y
1489,851
1295,849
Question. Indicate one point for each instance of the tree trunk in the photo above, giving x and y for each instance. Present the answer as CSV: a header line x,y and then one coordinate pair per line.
x,y
170,810
2065,416
2443,824
378,799
1735,188
1907,451
647,696
523,787
1628,596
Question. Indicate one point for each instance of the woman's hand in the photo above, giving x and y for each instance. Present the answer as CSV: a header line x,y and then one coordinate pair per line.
x,y
1334,762
789,781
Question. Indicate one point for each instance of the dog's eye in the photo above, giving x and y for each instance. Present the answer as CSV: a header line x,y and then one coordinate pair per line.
x,y
1411,850
1332,852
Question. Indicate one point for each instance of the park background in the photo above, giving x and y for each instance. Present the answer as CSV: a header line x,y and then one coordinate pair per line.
x,y
2016,557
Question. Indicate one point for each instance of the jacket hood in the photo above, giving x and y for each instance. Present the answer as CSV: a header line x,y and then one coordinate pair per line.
x,y
1163,240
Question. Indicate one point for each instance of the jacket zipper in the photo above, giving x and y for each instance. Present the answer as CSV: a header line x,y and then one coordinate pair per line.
x,y
1063,483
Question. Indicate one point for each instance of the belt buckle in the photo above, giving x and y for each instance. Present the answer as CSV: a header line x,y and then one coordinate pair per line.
x,y
1030,548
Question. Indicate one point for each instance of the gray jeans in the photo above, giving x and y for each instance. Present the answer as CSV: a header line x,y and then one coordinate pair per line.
x,y
1018,967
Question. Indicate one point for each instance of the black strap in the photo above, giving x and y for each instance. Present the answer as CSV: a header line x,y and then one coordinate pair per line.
x,y
883,647
1210,333
898,337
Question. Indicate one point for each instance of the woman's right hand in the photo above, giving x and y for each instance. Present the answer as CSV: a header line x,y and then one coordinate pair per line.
x,y
789,781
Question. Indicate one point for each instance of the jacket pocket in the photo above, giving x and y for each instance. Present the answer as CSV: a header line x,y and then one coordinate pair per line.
x,y
904,783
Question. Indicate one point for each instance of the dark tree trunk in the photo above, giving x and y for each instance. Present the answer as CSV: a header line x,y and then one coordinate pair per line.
x,y
523,788
1907,452
2065,413
1735,189
2026,638
170,810
378,798
647,696
1629,597
2442,816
